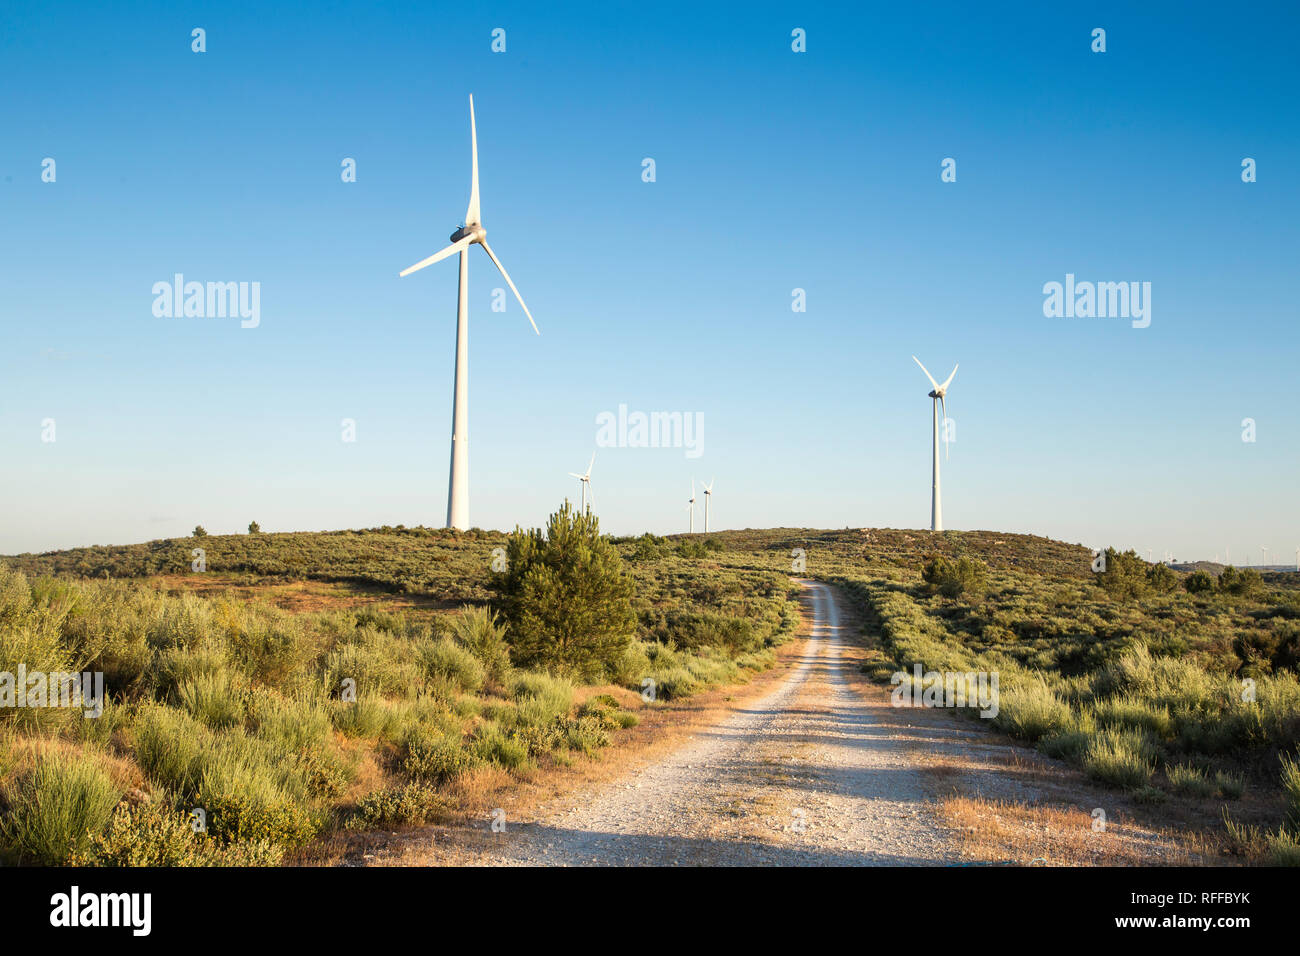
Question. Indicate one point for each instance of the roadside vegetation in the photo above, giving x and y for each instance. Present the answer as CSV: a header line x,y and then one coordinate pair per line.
x,y
1149,680
516,652
236,732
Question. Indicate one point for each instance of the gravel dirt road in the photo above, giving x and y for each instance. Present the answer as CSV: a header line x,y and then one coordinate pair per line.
x,y
812,773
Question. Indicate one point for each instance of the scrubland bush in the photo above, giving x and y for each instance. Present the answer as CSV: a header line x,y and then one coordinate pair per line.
x,y
57,807
453,663
1125,574
965,576
412,804
479,630
1121,758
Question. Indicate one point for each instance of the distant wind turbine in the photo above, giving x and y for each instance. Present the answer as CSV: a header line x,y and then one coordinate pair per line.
x,y
585,481
708,493
1264,562
936,507
471,233
691,506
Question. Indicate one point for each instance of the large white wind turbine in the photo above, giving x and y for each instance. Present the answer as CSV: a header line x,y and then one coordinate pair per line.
x,y
585,481
936,508
708,493
469,234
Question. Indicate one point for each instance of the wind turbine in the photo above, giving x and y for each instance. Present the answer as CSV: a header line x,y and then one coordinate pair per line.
x,y
471,233
936,508
708,493
1265,559
585,481
690,506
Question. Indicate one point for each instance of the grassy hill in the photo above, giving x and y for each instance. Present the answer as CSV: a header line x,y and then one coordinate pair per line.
x,y
224,683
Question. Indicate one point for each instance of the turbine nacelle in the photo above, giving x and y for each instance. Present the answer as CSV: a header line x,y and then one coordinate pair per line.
x,y
474,232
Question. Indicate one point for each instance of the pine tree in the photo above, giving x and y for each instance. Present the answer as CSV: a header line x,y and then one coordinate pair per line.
x,y
566,597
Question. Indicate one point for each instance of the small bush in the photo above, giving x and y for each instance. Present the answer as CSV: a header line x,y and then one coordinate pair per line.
x,y
1125,574
1119,758
477,629
1161,579
153,834
434,757
213,698
1188,780
1199,582
1032,711
246,800
1231,785
955,578
456,664
58,809
1291,791
413,804
492,745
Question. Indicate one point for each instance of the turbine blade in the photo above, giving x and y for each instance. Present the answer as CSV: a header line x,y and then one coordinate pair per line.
x,y
574,474
927,373
472,213
436,257
950,378
592,462
505,275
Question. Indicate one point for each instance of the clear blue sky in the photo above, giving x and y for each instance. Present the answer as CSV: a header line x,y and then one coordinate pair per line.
x,y
775,170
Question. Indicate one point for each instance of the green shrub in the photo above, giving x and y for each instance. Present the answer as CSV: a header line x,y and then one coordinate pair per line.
x,y
587,734
1230,785
1240,583
492,745
1124,575
1199,582
295,723
1291,792
477,628
456,664
540,698
248,800
58,808
214,698
1031,711
434,757
152,834
1190,780
413,804
169,745
1161,579
955,578
1120,758
366,717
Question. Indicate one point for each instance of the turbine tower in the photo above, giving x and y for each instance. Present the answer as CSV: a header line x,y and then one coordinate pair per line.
x,y
708,493
585,481
690,506
471,233
936,508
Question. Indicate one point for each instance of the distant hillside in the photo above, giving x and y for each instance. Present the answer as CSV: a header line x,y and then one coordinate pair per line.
x,y
455,565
